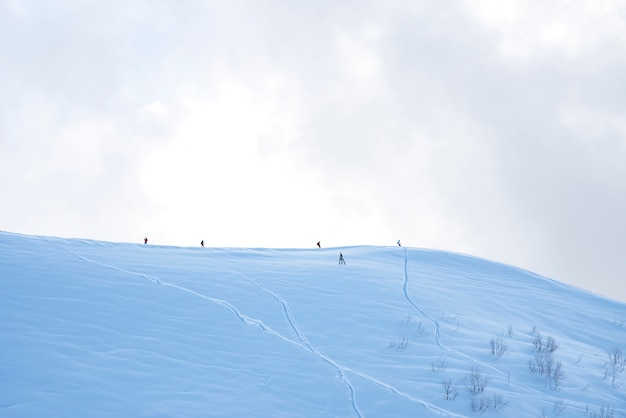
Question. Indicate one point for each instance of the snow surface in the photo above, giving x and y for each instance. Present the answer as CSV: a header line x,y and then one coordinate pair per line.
x,y
98,329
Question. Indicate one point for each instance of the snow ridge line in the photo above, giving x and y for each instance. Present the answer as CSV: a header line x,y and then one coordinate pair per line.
x,y
420,310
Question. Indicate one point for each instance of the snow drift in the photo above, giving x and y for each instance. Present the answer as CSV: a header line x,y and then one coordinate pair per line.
x,y
109,329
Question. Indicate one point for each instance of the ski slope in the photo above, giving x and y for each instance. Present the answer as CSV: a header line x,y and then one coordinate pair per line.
x,y
104,329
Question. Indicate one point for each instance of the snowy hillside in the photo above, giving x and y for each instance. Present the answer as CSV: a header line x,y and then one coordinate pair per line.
x,y
97,329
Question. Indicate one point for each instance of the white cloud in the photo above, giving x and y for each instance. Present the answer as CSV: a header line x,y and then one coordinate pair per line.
x,y
358,58
591,124
153,111
527,27
223,171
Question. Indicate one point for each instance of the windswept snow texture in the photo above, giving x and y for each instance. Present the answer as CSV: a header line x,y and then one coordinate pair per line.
x,y
96,329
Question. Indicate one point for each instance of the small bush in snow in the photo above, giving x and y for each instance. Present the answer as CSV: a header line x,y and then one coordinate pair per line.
x,y
498,347
419,328
398,345
483,403
542,344
551,370
604,412
480,404
615,366
551,345
537,365
450,390
441,365
555,375
543,363
476,382
499,402
558,407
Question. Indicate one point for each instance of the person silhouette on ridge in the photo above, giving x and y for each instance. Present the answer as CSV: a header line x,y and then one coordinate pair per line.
x,y
341,260
318,245
145,240
202,243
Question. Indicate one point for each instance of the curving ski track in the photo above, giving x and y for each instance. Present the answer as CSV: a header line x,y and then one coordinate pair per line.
x,y
302,340
420,310
468,357
341,369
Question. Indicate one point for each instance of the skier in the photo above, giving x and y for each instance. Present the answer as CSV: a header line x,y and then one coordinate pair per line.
x,y
145,240
318,245
399,245
341,260
202,243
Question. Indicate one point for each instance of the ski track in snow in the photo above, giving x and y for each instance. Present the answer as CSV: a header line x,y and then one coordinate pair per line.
x,y
304,343
302,340
341,369
243,318
420,310
506,376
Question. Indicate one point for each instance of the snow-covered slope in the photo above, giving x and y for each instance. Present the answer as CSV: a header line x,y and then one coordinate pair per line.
x,y
130,330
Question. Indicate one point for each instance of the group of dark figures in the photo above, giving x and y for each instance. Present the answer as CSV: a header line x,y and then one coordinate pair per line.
x,y
319,245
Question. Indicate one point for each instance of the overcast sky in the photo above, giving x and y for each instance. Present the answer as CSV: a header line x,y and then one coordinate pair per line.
x,y
494,128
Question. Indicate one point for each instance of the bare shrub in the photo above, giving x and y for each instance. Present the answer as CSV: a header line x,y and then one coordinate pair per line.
x,y
558,407
543,344
398,345
551,345
537,365
498,347
441,365
604,412
543,362
450,390
484,403
420,331
499,402
555,374
480,404
537,340
615,366
419,327
551,370
476,382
